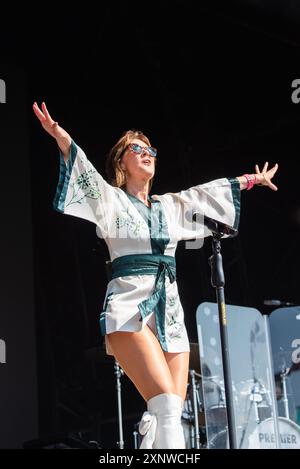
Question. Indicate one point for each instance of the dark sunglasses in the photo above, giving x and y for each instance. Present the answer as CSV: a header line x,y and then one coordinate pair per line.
x,y
138,149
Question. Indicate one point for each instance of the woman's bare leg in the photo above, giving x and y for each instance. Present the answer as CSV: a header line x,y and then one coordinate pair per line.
x,y
142,359
178,364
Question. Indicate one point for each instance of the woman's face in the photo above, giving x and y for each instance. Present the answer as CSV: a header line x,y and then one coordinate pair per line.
x,y
138,164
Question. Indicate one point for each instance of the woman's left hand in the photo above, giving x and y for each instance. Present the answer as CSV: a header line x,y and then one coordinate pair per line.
x,y
264,177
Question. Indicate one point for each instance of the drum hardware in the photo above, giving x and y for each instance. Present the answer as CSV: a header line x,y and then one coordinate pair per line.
x,y
216,412
256,398
98,355
194,413
271,381
285,398
196,406
256,393
136,437
118,374
284,323
193,420
283,376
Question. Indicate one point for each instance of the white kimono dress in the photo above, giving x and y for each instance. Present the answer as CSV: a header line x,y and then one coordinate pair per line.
x,y
133,231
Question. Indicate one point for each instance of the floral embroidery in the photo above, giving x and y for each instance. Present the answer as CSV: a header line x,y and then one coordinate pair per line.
x,y
174,325
135,226
85,186
172,302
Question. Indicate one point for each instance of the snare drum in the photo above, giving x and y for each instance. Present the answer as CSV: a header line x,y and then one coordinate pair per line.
x,y
216,416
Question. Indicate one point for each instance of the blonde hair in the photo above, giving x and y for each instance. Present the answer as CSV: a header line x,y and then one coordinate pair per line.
x,y
115,174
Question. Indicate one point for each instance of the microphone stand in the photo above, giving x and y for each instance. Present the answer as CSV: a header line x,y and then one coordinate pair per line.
x,y
218,230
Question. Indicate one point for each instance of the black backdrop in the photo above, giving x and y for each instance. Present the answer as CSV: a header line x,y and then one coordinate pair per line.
x,y
211,87
18,373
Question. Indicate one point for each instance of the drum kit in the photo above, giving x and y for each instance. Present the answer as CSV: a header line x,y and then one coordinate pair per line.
x,y
256,431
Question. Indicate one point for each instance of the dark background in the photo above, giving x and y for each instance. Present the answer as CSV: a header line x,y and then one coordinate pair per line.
x,y
18,370
211,87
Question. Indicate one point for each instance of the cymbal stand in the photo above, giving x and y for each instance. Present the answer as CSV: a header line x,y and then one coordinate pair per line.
x,y
283,375
135,439
196,406
119,373
255,398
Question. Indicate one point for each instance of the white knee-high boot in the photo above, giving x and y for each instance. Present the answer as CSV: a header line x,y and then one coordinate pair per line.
x,y
161,425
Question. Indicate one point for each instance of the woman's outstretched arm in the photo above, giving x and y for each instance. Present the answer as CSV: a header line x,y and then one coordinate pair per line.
x,y
62,138
261,178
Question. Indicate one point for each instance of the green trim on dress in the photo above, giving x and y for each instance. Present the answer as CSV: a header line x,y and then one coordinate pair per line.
x,y
65,171
155,218
236,197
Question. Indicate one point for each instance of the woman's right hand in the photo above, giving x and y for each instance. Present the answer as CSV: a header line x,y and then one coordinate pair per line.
x,y
62,137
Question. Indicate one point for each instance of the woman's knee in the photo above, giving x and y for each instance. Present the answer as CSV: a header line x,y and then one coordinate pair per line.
x,y
178,364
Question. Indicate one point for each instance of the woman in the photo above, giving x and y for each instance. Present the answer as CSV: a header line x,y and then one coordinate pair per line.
x,y
142,318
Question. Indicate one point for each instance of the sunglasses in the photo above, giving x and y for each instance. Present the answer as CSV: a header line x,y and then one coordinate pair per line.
x,y
138,149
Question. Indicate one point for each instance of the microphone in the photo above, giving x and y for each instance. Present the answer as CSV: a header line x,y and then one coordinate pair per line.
x,y
215,226
278,303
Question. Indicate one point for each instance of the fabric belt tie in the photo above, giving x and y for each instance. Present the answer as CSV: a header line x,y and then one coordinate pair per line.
x,y
148,264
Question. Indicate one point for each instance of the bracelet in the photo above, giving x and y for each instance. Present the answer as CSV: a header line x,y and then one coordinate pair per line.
x,y
251,180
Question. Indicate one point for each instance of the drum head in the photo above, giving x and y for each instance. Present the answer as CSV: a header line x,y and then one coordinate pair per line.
x,y
263,436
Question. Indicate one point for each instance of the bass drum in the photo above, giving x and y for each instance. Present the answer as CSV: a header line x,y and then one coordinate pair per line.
x,y
263,437
219,441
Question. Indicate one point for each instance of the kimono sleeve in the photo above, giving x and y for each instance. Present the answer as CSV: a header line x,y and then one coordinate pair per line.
x,y
218,199
82,191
